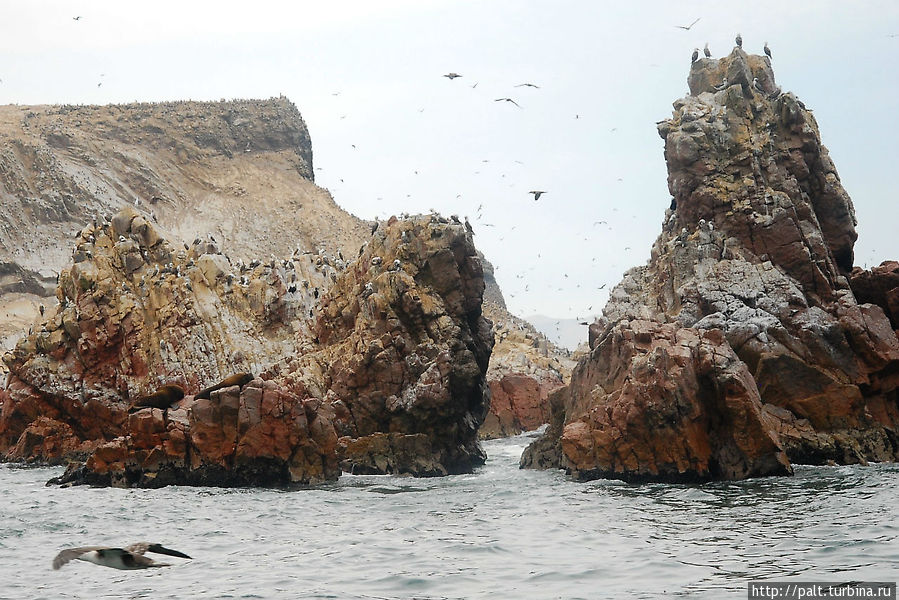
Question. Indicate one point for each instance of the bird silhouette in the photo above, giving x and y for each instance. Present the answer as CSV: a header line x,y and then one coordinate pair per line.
x,y
767,50
695,56
739,40
78,18
706,51
508,100
528,85
452,76
688,27
537,194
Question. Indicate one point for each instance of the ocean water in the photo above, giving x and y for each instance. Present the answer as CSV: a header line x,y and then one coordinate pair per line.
x,y
500,533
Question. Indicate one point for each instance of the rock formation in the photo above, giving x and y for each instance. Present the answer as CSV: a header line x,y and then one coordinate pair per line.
x,y
388,356
237,175
402,351
525,368
747,287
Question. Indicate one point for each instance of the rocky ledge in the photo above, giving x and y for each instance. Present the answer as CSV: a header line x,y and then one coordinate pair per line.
x,y
741,346
382,369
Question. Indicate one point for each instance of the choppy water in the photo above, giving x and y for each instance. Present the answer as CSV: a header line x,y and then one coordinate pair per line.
x,y
499,533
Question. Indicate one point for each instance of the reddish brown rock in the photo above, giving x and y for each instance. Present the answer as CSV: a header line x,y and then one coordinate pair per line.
x,y
525,368
373,347
663,403
879,286
258,435
759,245
518,403
402,349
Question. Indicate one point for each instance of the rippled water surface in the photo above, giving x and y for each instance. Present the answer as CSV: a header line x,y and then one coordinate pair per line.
x,y
498,533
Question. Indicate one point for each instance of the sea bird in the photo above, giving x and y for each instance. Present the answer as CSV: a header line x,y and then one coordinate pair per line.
x,y
537,194
739,40
688,27
452,76
767,50
528,85
508,100
695,56
706,51
130,557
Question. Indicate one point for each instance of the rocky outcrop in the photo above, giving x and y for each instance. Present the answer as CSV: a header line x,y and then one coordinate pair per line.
x,y
664,403
403,350
390,346
525,368
758,245
258,435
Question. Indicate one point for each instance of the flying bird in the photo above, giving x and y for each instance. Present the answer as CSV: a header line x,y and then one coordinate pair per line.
x,y
528,85
130,557
78,18
767,50
537,194
452,76
739,40
706,51
688,27
508,100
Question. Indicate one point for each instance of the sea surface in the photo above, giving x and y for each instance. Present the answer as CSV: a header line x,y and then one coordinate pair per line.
x,y
500,533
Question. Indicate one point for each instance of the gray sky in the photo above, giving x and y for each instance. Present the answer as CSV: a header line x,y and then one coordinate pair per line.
x,y
369,74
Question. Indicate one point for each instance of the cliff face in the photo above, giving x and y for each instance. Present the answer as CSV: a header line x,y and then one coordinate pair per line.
x,y
757,245
240,171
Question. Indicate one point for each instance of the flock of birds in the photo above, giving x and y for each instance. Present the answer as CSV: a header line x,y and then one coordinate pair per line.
x,y
708,53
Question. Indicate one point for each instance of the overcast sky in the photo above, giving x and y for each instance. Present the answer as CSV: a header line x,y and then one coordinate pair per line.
x,y
391,135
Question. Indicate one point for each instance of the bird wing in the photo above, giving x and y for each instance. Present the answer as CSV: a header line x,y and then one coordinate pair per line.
x,y
144,547
70,554
133,559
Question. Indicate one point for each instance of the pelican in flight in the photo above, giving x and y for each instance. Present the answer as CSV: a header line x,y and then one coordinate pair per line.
x,y
130,557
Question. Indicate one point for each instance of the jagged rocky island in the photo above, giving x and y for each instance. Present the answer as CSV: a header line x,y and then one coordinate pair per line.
x,y
747,343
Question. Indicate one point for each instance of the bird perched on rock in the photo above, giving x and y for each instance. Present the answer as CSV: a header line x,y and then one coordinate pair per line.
x,y
240,379
130,557
163,398
695,56
706,51
767,50
537,194
739,40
